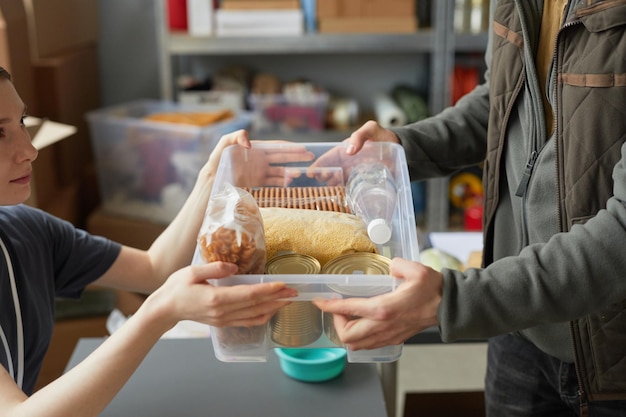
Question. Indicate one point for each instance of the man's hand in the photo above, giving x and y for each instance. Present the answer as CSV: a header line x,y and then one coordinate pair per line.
x,y
389,319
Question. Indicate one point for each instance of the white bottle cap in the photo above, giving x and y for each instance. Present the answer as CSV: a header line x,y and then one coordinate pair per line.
x,y
379,231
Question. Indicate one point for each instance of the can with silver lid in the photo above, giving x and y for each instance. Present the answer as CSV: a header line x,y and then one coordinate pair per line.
x,y
299,323
292,263
357,263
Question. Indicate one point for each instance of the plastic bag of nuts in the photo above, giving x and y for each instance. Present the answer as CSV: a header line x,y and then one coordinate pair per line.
x,y
232,231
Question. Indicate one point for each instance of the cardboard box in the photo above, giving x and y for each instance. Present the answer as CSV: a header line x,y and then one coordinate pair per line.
x,y
378,8
66,204
365,8
46,136
67,87
328,8
57,26
15,50
368,24
130,232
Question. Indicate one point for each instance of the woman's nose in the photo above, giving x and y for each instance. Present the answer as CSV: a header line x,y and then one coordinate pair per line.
x,y
28,151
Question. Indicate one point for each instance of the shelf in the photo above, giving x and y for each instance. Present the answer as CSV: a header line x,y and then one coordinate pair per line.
x,y
470,42
182,44
441,45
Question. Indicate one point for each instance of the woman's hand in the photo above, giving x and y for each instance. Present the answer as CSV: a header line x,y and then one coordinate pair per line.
x,y
265,167
186,295
255,166
389,319
239,137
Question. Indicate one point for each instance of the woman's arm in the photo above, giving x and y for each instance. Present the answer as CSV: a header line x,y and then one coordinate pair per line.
x,y
87,388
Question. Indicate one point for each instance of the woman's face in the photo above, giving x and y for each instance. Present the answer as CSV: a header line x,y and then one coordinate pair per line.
x,y
16,150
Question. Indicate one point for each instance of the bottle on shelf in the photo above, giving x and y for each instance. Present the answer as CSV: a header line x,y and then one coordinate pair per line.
x,y
371,194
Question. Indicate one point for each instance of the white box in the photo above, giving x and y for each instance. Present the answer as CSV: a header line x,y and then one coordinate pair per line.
x,y
200,17
259,22
233,100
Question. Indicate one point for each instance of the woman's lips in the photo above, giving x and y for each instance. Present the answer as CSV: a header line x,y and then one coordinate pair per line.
x,y
22,180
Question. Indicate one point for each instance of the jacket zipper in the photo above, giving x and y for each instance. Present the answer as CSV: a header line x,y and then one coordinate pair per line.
x,y
523,184
582,395
538,138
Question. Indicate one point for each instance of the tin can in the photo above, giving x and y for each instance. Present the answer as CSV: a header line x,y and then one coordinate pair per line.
x,y
299,323
358,263
361,263
292,263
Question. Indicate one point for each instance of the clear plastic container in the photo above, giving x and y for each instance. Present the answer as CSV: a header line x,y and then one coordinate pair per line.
x,y
371,193
146,169
235,344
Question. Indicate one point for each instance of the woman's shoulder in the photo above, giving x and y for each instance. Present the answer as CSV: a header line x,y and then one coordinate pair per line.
x,y
22,221
24,213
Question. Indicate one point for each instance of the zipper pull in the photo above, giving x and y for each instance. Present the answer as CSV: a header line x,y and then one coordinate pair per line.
x,y
523,184
584,405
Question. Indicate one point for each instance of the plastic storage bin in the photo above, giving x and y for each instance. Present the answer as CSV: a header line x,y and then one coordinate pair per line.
x,y
235,344
146,169
281,113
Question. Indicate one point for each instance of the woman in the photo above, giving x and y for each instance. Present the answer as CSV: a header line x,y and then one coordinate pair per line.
x,y
44,257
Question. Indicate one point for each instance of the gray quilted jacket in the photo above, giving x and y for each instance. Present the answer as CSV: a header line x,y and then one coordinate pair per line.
x,y
555,207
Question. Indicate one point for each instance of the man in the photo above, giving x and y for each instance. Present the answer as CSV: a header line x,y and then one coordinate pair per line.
x,y
549,124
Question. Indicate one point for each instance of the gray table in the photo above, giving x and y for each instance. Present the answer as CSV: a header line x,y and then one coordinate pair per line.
x,y
182,377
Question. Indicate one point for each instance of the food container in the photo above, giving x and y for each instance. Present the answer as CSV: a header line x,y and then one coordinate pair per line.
x,y
281,113
146,169
235,168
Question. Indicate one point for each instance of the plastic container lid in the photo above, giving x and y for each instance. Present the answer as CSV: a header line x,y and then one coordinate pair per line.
x,y
379,231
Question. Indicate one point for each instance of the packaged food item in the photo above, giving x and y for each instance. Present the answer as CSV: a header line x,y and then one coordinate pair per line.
x,y
299,323
192,118
321,234
232,231
354,263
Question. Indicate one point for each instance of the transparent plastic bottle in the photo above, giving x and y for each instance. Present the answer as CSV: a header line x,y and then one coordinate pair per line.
x,y
371,194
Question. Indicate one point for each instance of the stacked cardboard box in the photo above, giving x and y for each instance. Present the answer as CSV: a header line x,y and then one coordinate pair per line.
x,y
366,16
56,73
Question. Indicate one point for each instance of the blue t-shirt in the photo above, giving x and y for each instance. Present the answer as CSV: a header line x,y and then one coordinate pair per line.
x,y
50,258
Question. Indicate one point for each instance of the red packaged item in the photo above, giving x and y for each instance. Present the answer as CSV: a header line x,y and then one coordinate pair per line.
x,y
177,14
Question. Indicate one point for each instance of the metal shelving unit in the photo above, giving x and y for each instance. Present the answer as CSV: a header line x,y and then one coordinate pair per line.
x,y
178,43
440,43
